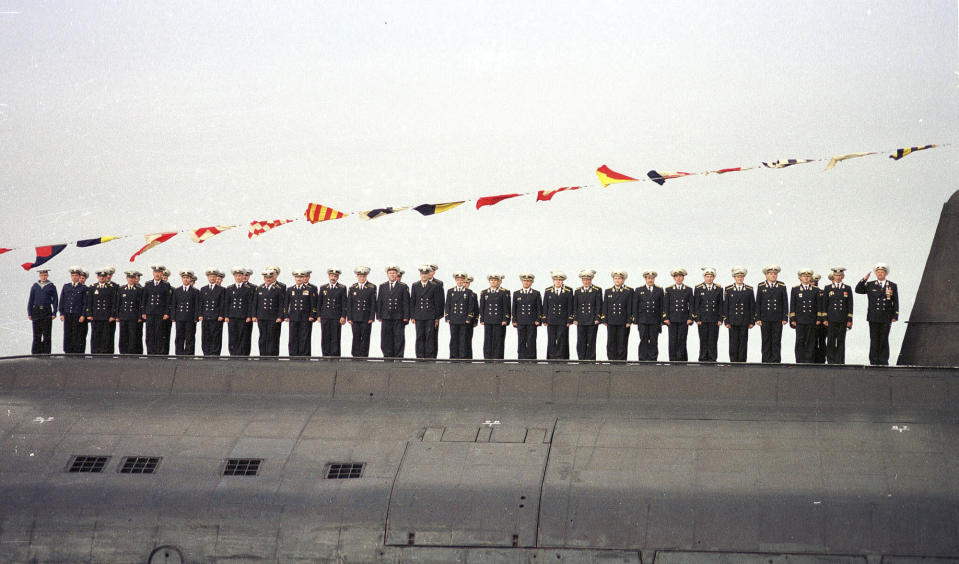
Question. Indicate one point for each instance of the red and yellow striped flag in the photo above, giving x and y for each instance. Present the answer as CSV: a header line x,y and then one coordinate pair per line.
x,y
203,233
547,195
316,213
609,176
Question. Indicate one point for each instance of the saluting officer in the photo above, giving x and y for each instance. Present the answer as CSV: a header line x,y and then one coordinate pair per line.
x,y
393,312
468,351
332,307
678,311
527,314
427,304
129,300
648,315
587,314
772,306
72,300
301,311
41,310
102,313
819,355
494,315
804,315
558,316
185,311
617,316
883,311
267,309
461,312
739,314
213,307
837,307
155,308
708,314
361,311
237,312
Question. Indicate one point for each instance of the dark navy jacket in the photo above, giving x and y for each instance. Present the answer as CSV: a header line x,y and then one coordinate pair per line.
x,y
73,299
43,296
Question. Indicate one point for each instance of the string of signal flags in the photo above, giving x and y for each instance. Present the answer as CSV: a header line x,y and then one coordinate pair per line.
x,y
316,213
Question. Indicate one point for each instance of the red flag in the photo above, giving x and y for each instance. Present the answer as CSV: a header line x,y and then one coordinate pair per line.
x,y
153,240
261,227
204,233
547,195
43,255
490,200
4,250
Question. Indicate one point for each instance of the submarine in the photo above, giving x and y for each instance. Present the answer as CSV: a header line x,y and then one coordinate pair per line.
x,y
110,458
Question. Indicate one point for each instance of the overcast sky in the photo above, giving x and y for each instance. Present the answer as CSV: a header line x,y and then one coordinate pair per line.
x,y
132,118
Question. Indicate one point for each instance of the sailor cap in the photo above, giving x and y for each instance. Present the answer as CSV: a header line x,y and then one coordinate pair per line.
x,y
211,270
616,273
739,270
527,276
587,273
459,274
189,273
495,275
275,269
837,271
557,275
433,266
881,266
678,272
103,271
166,271
806,270
336,271
816,277
41,270
708,270
424,269
772,268
75,269
302,272
83,272
647,273
361,270
392,267
111,270
238,270
132,273
469,278
268,272
400,272
157,267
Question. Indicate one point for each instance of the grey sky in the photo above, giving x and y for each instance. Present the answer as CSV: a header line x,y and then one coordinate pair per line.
x,y
133,118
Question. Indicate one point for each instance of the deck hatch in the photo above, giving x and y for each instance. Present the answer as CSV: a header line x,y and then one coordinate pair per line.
x,y
345,470
88,464
139,465
242,467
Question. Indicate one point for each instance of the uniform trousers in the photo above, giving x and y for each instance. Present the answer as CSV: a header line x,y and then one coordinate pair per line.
x,y
269,337
557,341
458,333
494,341
617,342
211,337
240,336
42,330
738,342
468,346
167,330
301,337
648,340
361,338
526,340
586,341
678,331
185,342
131,337
72,339
101,337
708,340
426,331
836,343
82,343
772,334
154,330
393,338
330,336
819,356
805,342
879,343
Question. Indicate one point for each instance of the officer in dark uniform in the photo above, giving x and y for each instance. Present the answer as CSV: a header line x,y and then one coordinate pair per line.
x,y
461,312
442,293
212,312
361,311
393,312
558,316
282,287
185,312
804,315
84,321
617,316
587,315
332,306
129,300
494,315
72,300
237,304
302,305
268,307
837,307
527,315
708,314
819,356
648,315
678,309
772,305
427,304
116,288
42,310
155,308
739,314
883,311
468,350
101,301
167,321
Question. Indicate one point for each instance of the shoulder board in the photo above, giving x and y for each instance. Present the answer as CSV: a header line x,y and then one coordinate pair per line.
x,y
701,285
502,289
567,289
625,287
782,284
655,286
747,286
797,286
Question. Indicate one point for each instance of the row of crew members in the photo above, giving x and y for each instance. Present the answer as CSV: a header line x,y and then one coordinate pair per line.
x,y
820,317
